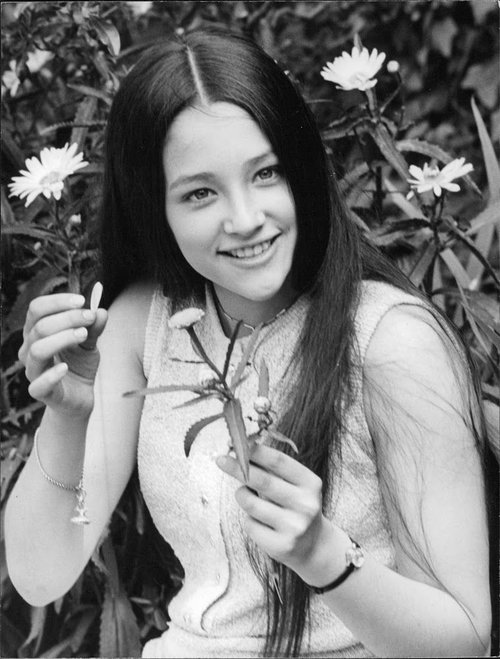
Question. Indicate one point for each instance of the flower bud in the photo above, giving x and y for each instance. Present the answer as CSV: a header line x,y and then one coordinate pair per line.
x,y
185,318
206,377
262,404
393,66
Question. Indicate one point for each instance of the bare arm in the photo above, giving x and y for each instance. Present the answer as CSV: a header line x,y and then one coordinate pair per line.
x,y
46,552
431,479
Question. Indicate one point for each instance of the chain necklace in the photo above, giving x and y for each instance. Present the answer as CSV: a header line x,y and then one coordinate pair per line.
x,y
247,325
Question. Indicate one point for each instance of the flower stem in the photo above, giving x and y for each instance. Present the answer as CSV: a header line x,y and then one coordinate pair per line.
x,y
196,341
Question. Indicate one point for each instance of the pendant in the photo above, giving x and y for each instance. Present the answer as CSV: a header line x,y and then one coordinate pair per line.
x,y
80,517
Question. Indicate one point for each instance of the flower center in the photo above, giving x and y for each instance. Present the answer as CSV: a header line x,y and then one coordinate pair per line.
x,y
51,178
432,173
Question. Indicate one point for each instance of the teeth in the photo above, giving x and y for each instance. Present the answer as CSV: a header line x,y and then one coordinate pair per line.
x,y
248,252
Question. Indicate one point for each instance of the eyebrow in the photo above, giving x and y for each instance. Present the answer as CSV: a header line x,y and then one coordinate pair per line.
x,y
209,176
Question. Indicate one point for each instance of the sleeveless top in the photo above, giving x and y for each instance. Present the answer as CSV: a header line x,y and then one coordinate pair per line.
x,y
220,609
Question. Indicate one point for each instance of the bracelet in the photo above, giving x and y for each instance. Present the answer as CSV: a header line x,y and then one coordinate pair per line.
x,y
80,509
354,557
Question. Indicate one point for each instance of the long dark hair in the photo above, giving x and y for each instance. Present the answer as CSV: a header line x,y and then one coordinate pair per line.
x,y
330,260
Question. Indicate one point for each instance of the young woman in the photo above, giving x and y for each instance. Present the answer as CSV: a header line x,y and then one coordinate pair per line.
x,y
373,539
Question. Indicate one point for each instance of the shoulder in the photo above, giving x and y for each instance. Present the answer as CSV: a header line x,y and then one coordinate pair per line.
x,y
415,371
128,316
409,332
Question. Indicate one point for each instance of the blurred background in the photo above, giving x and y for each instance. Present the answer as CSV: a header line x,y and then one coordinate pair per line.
x,y
436,100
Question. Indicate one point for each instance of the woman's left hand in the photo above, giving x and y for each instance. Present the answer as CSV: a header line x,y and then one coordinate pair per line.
x,y
283,506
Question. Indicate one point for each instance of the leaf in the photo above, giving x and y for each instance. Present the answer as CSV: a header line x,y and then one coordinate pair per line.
x,y
488,216
11,465
422,264
84,114
484,237
119,632
236,427
442,34
483,79
45,281
263,380
107,33
195,430
455,267
38,617
10,148
433,151
192,401
492,418
8,218
401,201
490,160
90,91
244,359
201,350
352,177
195,388
474,250
28,230
230,348
388,148
485,306
58,650
279,437
341,128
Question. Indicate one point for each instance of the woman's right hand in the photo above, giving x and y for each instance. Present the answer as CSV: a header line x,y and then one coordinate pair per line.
x,y
59,352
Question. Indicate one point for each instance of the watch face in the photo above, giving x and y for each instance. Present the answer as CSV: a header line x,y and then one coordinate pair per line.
x,y
355,556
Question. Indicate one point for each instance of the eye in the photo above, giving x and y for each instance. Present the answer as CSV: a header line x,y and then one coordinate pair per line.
x,y
268,173
199,195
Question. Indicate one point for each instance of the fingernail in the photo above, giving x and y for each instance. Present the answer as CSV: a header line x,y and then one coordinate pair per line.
x,y
76,300
61,368
88,314
80,333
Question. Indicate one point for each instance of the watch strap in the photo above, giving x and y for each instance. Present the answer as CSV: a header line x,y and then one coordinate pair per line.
x,y
319,590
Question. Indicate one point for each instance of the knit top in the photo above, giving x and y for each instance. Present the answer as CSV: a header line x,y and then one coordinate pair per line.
x,y
220,610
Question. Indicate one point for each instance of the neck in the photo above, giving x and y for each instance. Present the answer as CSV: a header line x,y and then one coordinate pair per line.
x,y
250,313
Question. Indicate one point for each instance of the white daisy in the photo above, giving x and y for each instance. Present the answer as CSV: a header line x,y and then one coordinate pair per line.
x,y
432,178
46,175
354,71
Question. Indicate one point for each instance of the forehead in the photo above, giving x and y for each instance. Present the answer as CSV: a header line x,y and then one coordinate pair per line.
x,y
207,135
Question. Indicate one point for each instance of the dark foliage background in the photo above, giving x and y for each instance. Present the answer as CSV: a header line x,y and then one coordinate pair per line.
x,y
442,104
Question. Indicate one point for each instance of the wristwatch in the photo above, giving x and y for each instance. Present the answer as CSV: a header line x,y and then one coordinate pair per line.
x,y
354,559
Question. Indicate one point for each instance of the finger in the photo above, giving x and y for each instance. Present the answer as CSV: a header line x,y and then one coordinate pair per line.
x,y
42,352
96,329
47,305
43,387
264,511
59,322
265,483
267,538
284,466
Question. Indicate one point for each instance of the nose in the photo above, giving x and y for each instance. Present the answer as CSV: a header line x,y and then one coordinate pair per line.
x,y
244,220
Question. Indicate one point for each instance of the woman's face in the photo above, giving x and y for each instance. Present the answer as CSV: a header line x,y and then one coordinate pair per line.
x,y
230,208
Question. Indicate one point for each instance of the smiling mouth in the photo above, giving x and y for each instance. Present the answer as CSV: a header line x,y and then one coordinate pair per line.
x,y
249,252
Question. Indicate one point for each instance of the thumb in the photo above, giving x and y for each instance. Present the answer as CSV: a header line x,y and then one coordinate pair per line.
x,y
95,330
